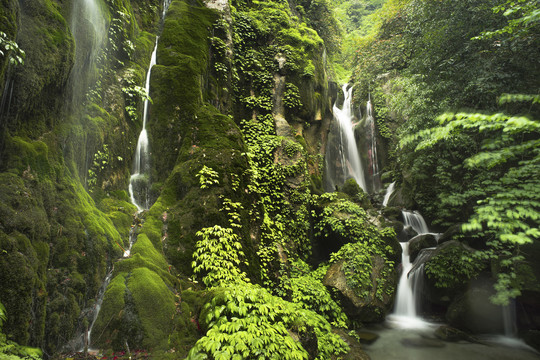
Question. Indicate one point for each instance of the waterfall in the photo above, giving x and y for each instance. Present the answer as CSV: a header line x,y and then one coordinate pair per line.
x,y
344,161
99,302
416,221
389,192
371,137
509,319
89,28
411,279
139,180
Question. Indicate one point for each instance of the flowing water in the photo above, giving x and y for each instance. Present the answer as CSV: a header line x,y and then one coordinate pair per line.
x,y
140,178
371,138
343,159
407,304
89,28
421,344
389,192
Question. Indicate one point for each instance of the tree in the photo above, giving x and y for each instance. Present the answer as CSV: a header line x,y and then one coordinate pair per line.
x,y
507,212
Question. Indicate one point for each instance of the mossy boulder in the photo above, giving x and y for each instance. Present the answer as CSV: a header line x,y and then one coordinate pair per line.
x,y
474,312
364,302
420,242
392,213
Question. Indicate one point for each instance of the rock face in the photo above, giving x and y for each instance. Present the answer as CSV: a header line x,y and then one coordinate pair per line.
x,y
474,312
407,234
368,308
420,242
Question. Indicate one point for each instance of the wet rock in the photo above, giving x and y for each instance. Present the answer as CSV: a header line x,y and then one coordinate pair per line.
x,y
407,234
420,242
474,312
450,233
391,213
370,307
448,333
356,351
366,337
422,342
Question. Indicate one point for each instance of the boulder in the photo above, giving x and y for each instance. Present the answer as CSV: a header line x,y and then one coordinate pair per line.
x,y
420,242
532,338
450,233
365,303
392,213
421,342
356,351
474,312
407,234
450,334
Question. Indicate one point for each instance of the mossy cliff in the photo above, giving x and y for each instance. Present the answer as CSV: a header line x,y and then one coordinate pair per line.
x,y
57,240
240,109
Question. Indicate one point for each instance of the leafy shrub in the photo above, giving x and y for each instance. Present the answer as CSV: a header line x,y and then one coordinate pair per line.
x,y
247,322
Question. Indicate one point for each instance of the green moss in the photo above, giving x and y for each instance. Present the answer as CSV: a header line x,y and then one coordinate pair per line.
x,y
48,62
111,313
177,80
155,305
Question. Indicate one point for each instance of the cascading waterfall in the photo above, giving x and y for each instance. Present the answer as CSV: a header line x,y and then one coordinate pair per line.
x,y
350,165
406,308
389,192
416,221
371,137
139,180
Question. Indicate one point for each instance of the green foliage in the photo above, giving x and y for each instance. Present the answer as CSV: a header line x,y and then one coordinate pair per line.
x,y
133,94
10,49
523,19
305,288
207,177
344,218
358,265
217,257
291,98
507,210
246,321
453,267
9,350
100,162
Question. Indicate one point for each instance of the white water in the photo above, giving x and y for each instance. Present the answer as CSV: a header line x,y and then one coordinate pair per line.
x,y
405,313
89,28
389,192
350,158
371,135
99,302
416,221
141,162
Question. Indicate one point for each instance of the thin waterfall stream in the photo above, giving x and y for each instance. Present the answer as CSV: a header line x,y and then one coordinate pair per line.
x,y
371,138
139,180
343,159
406,305
140,177
389,192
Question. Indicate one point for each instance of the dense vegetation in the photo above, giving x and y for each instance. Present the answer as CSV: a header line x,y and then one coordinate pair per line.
x,y
241,253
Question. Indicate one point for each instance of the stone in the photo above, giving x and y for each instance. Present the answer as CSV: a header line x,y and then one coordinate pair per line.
x,y
392,213
407,234
369,308
420,242
366,337
422,342
474,312
451,334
